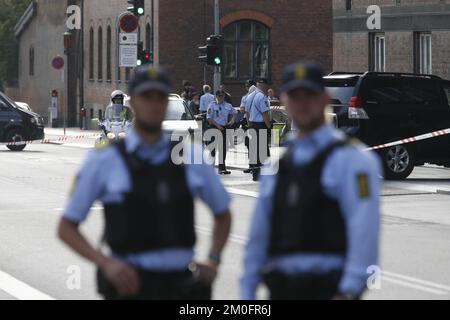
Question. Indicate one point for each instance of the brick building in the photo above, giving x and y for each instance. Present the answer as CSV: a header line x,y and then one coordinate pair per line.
x,y
414,36
260,38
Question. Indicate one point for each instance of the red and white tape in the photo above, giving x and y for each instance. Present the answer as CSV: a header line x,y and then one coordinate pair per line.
x,y
52,140
412,139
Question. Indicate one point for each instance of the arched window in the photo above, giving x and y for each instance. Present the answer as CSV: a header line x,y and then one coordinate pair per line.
x,y
100,53
108,54
247,50
148,37
31,71
91,54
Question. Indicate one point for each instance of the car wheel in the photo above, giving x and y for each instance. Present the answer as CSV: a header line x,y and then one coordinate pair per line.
x,y
398,162
15,135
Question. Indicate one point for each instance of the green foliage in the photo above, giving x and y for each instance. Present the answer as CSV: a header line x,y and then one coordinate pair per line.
x,y
10,13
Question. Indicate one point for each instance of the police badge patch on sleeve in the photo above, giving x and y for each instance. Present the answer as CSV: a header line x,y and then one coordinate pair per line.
x,y
363,186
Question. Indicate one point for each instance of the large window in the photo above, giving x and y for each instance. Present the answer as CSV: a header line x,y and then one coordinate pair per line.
x,y
31,61
91,54
377,52
247,51
424,54
108,54
100,53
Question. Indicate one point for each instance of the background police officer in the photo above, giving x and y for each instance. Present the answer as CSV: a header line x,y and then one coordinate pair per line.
x,y
316,225
219,114
149,210
258,107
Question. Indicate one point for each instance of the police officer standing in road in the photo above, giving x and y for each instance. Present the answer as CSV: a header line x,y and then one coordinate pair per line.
x,y
149,207
258,107
250,86
315,230
219,114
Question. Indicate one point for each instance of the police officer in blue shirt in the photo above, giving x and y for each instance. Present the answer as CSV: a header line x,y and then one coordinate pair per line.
x,y
260,125
149,207
315,230
219,114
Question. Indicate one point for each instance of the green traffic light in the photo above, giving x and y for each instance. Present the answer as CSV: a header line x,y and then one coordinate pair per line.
x,y
217,60
139,63
140,11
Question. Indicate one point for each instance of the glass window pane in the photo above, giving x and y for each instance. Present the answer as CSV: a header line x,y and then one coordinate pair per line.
x,y
229,33
245,60
245,31
261,60
261,32
230,62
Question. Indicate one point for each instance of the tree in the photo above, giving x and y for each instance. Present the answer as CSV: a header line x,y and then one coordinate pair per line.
x,y
10,13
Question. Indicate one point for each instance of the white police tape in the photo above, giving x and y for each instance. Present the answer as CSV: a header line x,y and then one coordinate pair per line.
x,y
412,139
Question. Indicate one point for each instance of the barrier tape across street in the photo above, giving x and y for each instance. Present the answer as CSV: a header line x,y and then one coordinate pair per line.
x,y
381,146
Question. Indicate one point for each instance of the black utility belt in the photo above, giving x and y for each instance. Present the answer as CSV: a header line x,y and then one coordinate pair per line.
x,y
258,125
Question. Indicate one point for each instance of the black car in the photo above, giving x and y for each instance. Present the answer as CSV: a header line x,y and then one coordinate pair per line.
x,y
17,125
378,108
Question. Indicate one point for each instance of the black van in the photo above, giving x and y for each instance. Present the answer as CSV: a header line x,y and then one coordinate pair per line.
x,y
379,108
18,125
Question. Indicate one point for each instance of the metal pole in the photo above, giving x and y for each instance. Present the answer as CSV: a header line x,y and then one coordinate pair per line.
x,y
217,71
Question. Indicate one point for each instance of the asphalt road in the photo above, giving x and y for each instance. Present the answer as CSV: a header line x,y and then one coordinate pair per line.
x,y
415,255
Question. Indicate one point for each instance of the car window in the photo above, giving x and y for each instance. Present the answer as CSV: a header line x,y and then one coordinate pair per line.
x,y
340,90
424,92
447,91
177,110
384,90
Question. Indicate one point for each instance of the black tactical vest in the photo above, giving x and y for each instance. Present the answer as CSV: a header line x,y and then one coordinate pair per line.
x,y
158,212
304,218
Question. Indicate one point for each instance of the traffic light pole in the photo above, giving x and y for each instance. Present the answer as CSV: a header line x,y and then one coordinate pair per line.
x,y
217,71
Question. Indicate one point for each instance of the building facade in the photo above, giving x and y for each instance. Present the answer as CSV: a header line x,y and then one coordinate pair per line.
x,y
414,36
261,37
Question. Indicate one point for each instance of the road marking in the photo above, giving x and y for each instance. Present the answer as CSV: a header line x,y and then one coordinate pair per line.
x,y
414,187
19,289
419,281
241,192
412,285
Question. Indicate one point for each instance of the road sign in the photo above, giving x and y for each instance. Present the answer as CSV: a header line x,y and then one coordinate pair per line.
x,y
129,23
128,38
128,56
58,62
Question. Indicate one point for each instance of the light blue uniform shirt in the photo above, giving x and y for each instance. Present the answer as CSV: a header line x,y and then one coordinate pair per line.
x,y
259,105
104,177
220,112
361,214
249,100
205,101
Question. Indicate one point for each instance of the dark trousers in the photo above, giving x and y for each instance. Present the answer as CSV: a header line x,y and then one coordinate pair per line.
x,y
221,147
302,286
159,286
260,141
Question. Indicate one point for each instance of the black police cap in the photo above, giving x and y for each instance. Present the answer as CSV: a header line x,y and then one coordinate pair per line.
x,y
303,75
148,78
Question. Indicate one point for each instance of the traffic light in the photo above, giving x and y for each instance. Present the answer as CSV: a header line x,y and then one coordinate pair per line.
x,y
137,7
144,56
215,51
211,54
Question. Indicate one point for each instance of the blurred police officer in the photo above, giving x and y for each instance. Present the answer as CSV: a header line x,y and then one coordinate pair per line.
x,y
206,99
258,107
250,87
149,209
221,115
316,225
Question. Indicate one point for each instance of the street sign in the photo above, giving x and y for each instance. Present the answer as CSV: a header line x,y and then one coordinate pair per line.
x,y
128,56
129,23
128,38
58,62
